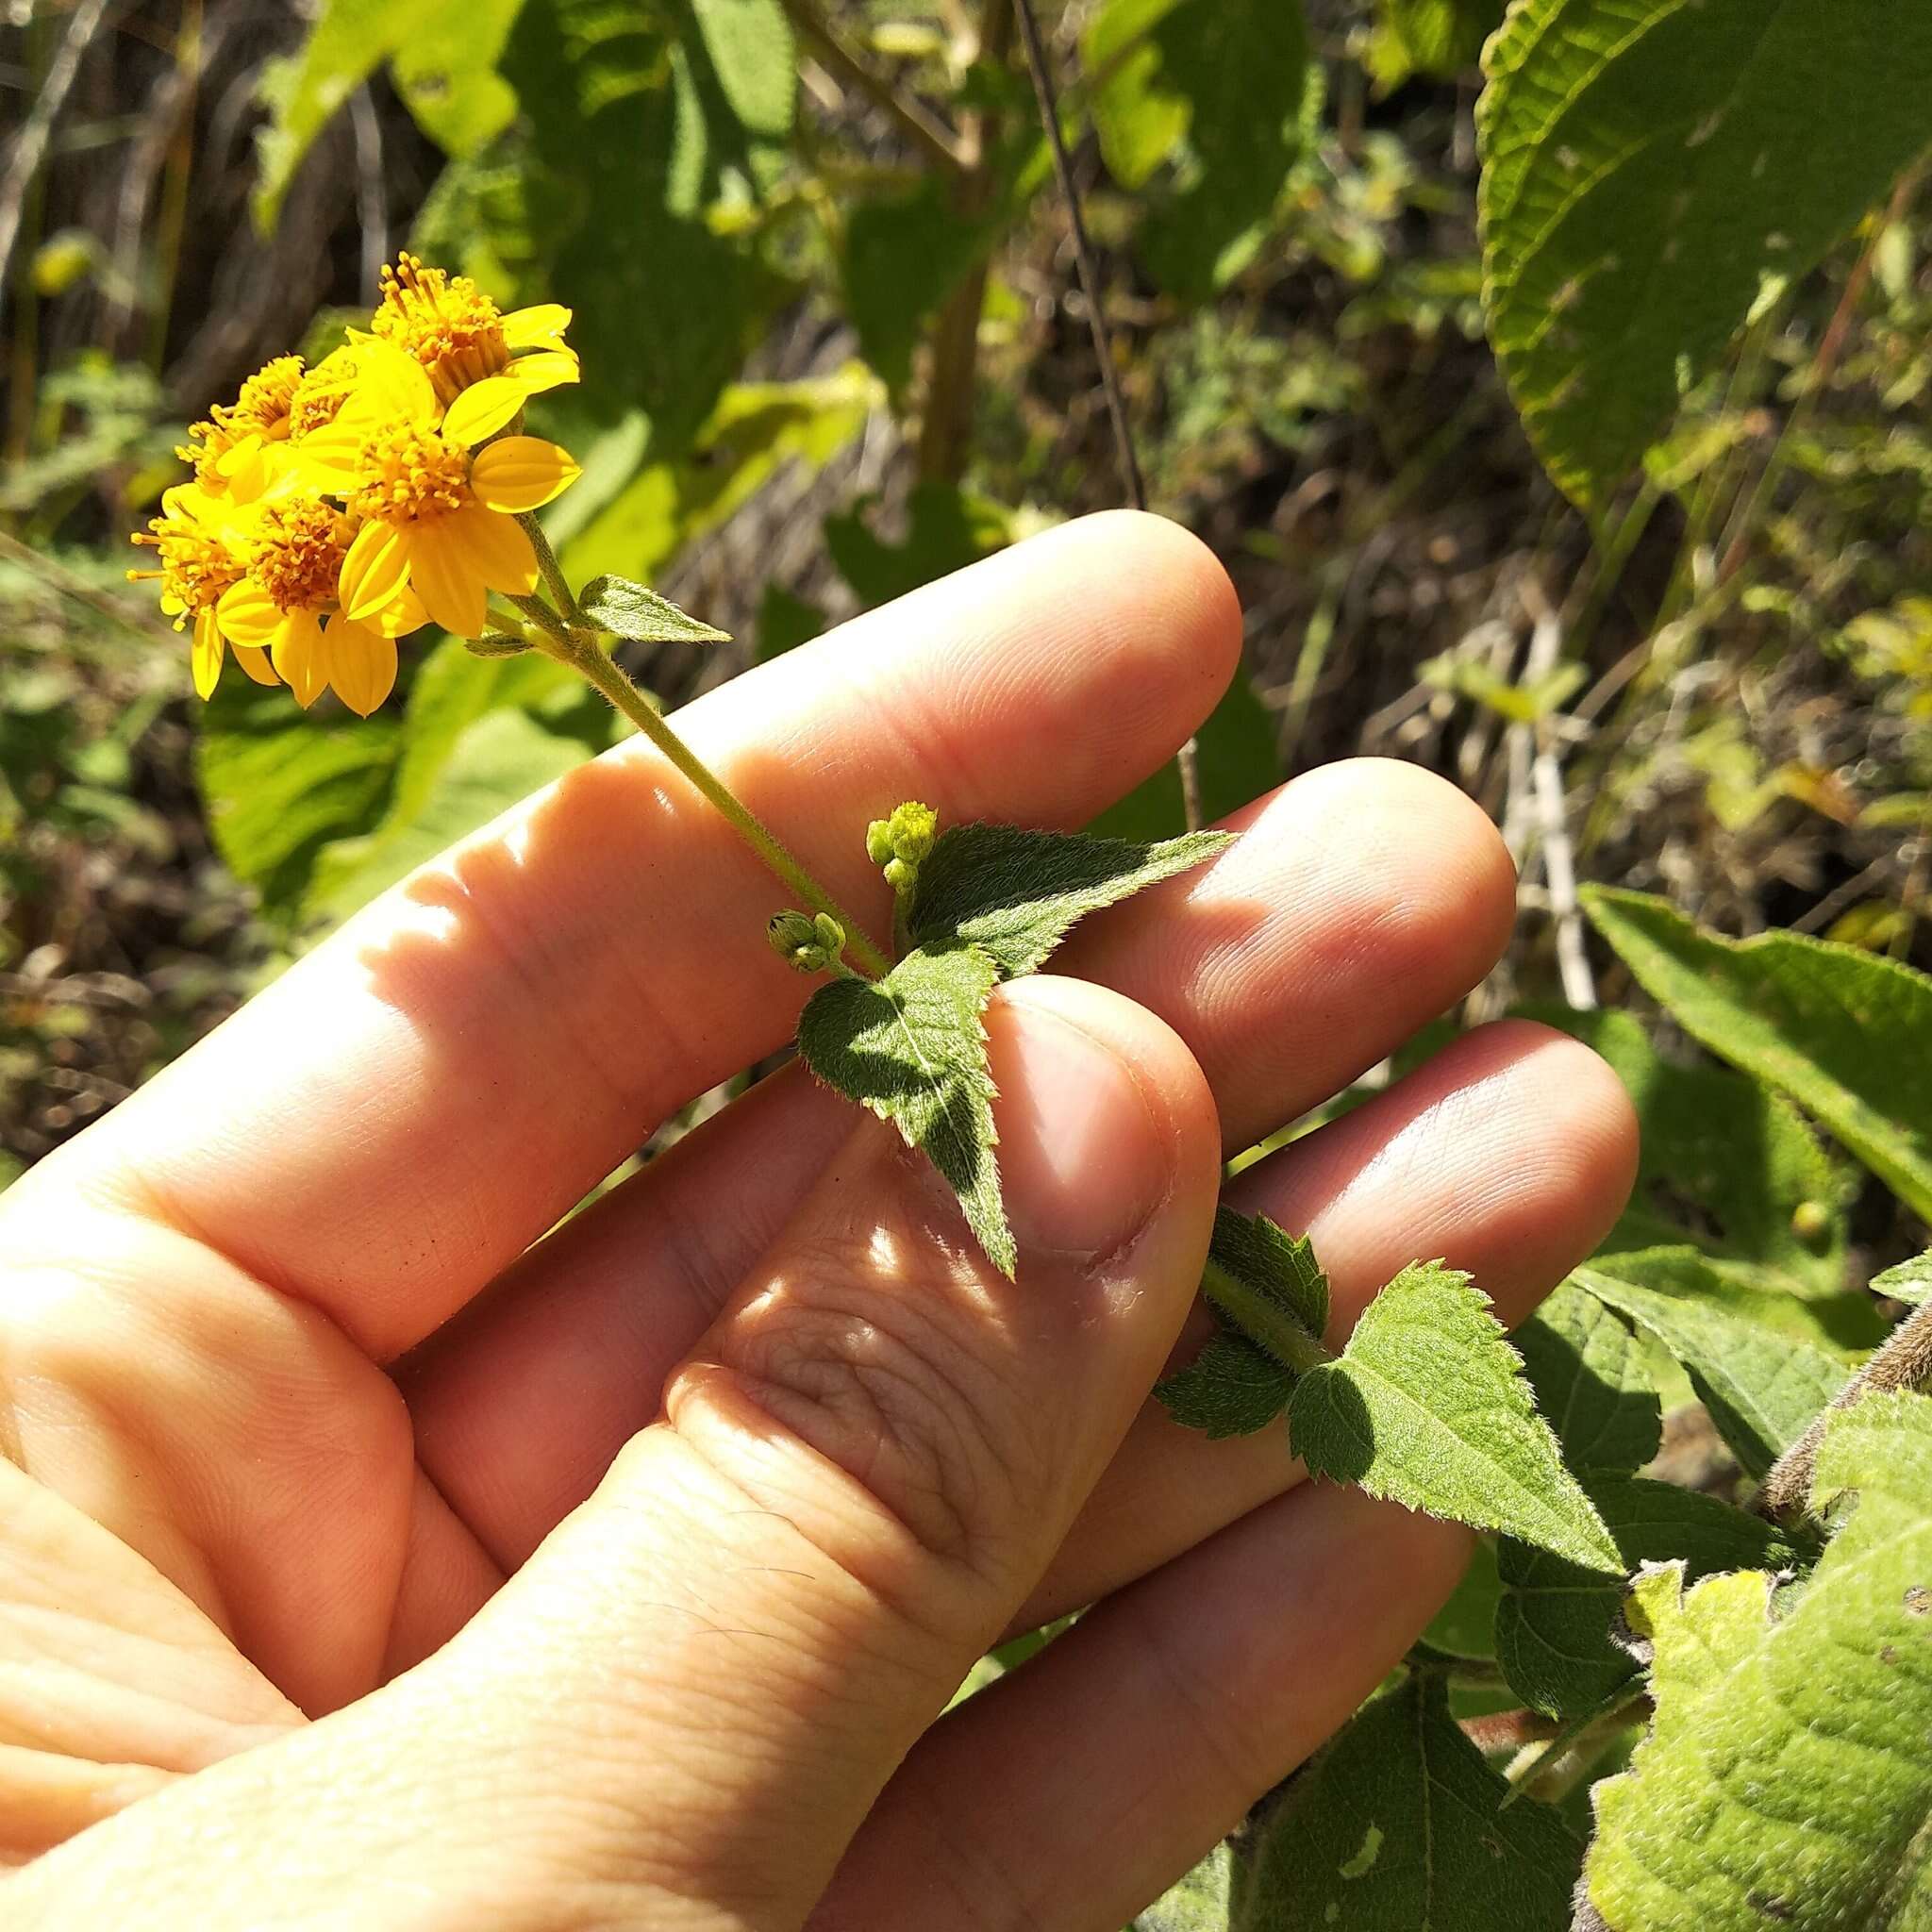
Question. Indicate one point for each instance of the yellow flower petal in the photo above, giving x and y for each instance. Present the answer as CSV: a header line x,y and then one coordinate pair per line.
x,y
495,548
521,471
399,618
301,656
207,655
534,326
254,660
390,384
248,614
546,369
361,664
329,459
374,572
452,592
483,408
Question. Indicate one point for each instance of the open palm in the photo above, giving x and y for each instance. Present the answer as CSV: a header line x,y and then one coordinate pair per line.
x,y
367,1551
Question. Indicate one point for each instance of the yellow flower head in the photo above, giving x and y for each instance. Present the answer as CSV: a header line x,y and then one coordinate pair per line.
x,y
226,451
200,562
482,364
438,518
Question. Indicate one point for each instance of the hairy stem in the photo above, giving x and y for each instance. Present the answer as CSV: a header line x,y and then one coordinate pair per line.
x,y
1263,1323
571,640
1904,1361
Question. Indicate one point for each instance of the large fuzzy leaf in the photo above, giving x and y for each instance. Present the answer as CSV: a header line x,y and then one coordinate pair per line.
x,y
1786,1781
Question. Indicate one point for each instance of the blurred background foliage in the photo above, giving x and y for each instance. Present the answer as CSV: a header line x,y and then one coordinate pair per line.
x,y
834,347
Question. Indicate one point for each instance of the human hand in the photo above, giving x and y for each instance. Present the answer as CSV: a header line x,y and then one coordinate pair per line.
x,y
362,1564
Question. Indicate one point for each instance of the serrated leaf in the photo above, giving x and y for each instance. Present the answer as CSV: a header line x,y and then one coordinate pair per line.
x,y
1590,1382
1015,893
1428,1406
912,1048
1556,1625
634,611
1400,1825
1258,1279
1910,1281
1724,1162
1785,1780
1761,1385
1845,1033
1641,183
1232,1388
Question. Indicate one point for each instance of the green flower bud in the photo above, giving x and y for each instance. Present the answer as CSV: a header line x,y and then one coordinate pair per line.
x,y
878,842
913,827
796,939
830,934
900,876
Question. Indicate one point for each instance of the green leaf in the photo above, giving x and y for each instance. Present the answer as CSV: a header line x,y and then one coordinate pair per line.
x,y
1399,1825
755,59
1557,1635
1259,1278
1435,36
1016,893
1761,1385
1232,1388
1641,182
1910,1281
1785,1780
281,785
1590,1382
444,54
1466,1624
1239,759
785,621
1845,1033
1221,80
1427,1405
1724,1163
912,1048
632,611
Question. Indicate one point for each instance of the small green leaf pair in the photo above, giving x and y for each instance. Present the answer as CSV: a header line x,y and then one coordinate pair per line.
x,y
981,903
1426,1404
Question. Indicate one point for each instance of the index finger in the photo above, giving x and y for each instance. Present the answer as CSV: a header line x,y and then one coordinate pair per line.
x,y
414,1104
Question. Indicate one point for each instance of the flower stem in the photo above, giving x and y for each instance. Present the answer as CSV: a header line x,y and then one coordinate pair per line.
x,y
571,640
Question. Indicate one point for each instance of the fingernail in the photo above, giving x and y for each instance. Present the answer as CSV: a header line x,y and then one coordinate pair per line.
x,y
1085,1161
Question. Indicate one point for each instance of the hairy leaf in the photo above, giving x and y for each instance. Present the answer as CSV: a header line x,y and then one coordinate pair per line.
x,y
1761,1385
1556,1625
1590,1382
1427,1405
1910,1281
1399,1825
631,611
912,1048
1221,81
1641,183
750,49
1845,1033
1785,1780
1015,892
1724,1163
1241,1382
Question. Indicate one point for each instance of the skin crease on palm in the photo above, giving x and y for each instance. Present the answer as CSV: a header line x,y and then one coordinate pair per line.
x,y
370,1557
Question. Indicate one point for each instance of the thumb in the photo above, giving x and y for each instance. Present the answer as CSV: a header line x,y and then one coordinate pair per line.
x,y
866,1464
681,1708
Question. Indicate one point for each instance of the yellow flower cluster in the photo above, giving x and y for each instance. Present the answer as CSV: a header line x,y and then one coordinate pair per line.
x,y
338,508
